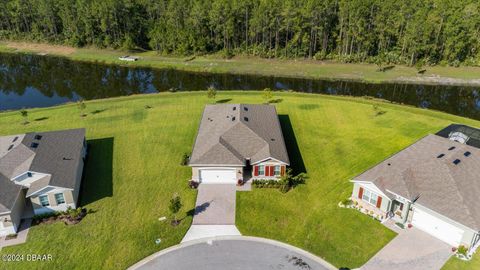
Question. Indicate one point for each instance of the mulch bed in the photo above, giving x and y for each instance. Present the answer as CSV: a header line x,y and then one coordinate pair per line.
x,y
67,219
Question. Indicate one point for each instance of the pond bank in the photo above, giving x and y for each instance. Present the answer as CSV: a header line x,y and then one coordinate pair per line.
x,y
300,68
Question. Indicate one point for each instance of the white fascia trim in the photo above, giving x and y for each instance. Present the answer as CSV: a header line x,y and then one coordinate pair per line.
x,y
260,161
215,165
368,182
55,188
38,191
399,195
13,178
218,168
2,213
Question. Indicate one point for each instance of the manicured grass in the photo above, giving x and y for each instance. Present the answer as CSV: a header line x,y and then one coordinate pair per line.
x,y
259,66
133,170
456,264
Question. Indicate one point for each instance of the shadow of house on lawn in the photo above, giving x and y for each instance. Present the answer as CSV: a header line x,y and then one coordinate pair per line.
x,y
296,160
97,174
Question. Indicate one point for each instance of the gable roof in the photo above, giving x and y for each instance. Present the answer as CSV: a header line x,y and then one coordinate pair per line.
x,y
8,193
56,153
425,172
231,133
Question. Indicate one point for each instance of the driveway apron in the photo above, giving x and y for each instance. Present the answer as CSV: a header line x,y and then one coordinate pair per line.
x,y
412,249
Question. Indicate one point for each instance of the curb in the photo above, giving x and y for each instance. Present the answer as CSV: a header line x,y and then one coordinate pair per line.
x,y
302,252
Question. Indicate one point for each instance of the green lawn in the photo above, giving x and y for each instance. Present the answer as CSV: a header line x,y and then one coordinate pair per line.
x,y
133,170
254,65
456,264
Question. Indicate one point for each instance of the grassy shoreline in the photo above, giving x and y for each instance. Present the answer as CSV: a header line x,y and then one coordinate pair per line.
x,y
125,224
258,66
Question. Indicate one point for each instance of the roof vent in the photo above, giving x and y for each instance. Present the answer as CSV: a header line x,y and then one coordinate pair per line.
x,y
467,154
245,118
389,164
34,145
233,118
441,155
15,139
272,139
456,161
10,147
451,148
245,108
67,158
234,108
38,137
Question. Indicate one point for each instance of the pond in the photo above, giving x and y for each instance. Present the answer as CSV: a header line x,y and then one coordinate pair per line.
x,y
40,81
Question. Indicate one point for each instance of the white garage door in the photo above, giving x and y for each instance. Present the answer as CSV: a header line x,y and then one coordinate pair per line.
x,y
440,229
218,176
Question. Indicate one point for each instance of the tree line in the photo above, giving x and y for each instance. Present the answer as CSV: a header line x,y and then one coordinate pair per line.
x,y
387,31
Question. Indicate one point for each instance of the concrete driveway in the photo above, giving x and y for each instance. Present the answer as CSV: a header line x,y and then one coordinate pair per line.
x,y
412,249
215,205
214,212
245,253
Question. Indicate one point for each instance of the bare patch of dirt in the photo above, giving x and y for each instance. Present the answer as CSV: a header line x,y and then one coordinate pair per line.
x,y
40,48
436,79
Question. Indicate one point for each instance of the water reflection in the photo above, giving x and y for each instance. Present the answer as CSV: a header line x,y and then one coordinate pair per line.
x,y
41,81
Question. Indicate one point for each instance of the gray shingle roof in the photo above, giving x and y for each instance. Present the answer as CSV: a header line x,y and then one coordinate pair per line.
x,y
57,153
419,171
231,133
8,193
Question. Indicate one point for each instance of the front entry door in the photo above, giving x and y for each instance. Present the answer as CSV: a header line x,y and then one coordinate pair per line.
x,y
397,208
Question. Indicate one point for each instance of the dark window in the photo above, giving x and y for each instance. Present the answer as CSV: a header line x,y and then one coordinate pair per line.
x,y
10,147
34,145
467,154
441,155
456,161
245,118
38,137
451,148
15,139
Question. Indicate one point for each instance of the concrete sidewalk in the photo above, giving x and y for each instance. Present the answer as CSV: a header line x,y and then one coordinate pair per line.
x,y
205,231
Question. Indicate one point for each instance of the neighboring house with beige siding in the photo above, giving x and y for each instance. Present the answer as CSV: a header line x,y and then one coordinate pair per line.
x,y
39,172
434,185
238,142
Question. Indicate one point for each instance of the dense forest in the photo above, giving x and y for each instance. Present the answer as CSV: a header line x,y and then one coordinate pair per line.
x,y
381,31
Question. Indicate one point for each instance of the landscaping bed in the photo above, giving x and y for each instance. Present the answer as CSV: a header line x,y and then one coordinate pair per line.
x,y
69,217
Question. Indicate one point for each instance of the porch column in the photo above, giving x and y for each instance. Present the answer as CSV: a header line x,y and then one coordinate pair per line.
x,y
407,209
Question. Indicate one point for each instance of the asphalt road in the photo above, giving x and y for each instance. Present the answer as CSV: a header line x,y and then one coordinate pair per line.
x,y
232,254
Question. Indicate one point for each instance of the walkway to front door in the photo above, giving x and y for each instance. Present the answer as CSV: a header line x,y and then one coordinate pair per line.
x,y
214,212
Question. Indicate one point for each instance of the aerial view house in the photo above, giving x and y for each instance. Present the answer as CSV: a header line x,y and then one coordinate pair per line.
x,y
238,142
39,172
434,184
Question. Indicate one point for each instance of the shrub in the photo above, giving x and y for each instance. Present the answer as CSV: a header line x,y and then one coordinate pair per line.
x,y
462,250
46,215
347,202
184,161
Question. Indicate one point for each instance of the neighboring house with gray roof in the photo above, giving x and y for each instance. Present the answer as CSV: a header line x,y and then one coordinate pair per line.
x,y
238,142
434,184
39,172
